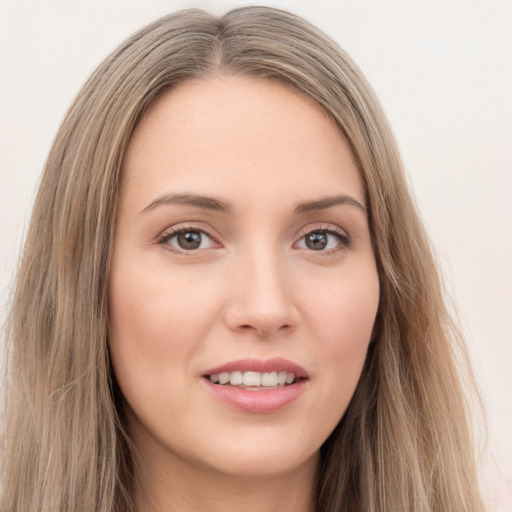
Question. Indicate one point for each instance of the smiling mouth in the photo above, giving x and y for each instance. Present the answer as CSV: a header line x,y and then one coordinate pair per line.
x,y
257,386
254,381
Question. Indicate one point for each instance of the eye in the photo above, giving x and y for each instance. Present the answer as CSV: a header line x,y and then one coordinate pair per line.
x,y
187,239
323,240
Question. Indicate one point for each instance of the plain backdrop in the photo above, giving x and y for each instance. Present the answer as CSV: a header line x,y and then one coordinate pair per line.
x,y
443,72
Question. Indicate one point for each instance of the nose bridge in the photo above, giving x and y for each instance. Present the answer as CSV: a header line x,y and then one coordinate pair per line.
x,y
262,298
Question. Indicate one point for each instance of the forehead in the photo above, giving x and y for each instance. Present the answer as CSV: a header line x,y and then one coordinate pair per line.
x,y
238,136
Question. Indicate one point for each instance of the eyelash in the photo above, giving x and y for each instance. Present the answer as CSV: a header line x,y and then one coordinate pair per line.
x,y
174,232
343,239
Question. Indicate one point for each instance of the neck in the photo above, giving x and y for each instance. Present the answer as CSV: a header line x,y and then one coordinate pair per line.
x,y
176,485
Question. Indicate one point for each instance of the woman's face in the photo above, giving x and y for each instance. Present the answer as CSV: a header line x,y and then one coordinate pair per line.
x,y
244,288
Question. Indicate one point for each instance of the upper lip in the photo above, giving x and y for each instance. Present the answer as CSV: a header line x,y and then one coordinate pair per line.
x,y
276,364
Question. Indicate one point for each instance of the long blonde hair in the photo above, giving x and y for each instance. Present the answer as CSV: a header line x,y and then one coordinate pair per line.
x,y
404,442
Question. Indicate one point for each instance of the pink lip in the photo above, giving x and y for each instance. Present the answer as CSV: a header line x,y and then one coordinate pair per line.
x,y
258,401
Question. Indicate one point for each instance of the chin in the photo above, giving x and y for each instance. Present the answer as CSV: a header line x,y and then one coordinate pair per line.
x,y
258,454
255,463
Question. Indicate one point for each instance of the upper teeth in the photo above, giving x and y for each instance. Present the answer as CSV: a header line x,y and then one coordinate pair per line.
x,y
253,379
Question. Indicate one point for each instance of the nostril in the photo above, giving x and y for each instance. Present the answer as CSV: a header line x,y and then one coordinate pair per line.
x,y
261,331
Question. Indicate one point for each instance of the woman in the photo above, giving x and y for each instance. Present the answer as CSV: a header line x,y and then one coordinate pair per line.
x,y
226,297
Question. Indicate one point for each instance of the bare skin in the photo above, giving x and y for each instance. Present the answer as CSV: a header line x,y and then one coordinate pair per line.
x,y
242,235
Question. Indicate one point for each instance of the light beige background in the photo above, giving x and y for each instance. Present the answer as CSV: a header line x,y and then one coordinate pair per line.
x,y
443,71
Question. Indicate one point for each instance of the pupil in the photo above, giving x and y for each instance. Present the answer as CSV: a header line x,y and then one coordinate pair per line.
x,y
189,240
316,241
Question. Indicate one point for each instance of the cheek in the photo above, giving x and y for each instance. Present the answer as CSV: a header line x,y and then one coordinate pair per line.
x,y
155,327
344,308
342,318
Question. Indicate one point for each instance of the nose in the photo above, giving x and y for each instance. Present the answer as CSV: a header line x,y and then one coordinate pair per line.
x,y
262,299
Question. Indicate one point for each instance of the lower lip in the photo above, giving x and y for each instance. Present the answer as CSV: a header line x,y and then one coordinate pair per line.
x,y
258,401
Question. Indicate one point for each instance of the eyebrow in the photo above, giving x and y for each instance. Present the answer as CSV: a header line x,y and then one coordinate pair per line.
x,y
328,202
214,204
204,202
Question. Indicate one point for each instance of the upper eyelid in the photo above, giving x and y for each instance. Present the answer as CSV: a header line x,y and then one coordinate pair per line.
x,y
186,226
322,226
